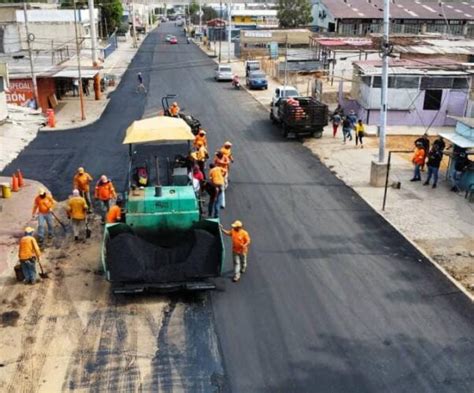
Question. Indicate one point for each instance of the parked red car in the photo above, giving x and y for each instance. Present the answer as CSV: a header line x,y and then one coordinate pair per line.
x,y
173,40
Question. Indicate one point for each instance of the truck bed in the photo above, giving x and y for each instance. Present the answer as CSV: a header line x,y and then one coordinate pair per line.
x,y
311,115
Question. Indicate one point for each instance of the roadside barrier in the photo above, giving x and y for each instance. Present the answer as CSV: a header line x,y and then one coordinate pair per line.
x,y
15,187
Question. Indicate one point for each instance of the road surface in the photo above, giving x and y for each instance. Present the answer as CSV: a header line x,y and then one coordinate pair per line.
x,y
334,300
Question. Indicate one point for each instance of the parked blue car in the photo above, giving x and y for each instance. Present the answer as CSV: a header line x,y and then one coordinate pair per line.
x,y
257,80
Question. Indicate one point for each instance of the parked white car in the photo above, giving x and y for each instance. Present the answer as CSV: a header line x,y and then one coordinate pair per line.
x,y
223,73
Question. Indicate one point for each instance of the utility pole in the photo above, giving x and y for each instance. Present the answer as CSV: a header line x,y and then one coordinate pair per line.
x,y
220,32
229,22
200,16
134,31
29,39
93,33
286,60
78,55
384,95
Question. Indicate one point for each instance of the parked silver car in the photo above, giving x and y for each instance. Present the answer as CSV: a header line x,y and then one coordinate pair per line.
x,y
223,73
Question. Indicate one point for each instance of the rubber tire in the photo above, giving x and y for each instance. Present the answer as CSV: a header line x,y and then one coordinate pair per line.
x,y
317,134
284,131
272,118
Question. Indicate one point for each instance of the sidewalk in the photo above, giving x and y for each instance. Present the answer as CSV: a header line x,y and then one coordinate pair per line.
x,y
439,222
68,112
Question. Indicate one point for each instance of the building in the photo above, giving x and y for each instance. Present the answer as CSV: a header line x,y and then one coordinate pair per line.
x,y
48,28
257,18
361,17
421,93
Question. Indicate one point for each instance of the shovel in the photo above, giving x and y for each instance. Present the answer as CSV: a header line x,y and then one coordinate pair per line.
x,y
88,230
59,221
42,273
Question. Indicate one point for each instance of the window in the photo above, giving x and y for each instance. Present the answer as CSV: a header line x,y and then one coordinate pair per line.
x,y
2,88
403,82
366,80
432,100
429,82
460,83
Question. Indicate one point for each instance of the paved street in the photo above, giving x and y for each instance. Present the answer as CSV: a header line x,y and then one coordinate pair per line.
x,y
334,300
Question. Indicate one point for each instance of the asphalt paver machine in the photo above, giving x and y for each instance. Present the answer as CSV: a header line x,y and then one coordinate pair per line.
x,y
163,242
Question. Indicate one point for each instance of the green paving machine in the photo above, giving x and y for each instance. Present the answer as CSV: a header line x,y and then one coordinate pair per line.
x,y
163,242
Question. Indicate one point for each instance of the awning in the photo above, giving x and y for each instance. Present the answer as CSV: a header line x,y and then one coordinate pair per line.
x,y
158,129
73,73
457,139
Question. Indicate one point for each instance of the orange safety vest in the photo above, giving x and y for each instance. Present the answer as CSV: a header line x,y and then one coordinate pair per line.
x,y
43,205
114,214
28,248
240,241
104,191
81,181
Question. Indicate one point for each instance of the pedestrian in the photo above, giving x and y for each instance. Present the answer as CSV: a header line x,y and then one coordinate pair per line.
x,y
227,151
85,87
439,142
352,118
418,160
425,144
104,193
82,182
200,156
223,162
115,212
434,161
217,181
42,208
174,109
77,213
200,139
28,253
141,87
461,164
336,121
359,133
75,87
346,129
240,247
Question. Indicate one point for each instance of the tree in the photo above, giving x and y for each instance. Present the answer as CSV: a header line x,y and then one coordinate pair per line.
x,y
294,13
193,8
111,11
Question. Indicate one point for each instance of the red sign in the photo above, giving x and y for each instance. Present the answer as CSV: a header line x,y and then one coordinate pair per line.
x,y
19,91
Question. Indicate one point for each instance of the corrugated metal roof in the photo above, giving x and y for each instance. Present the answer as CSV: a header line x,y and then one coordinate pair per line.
x,y
433,50
412,67
402,9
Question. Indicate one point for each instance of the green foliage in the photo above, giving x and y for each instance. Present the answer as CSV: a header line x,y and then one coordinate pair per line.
x,y
193,8
111,11
208,13
294,13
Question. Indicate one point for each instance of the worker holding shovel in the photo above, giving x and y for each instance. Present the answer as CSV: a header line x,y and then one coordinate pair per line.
x,y
28,253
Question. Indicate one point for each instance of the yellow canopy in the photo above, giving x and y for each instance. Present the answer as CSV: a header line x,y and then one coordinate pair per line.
x,y
158,129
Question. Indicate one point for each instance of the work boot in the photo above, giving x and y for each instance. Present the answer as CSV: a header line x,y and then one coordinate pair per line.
x,y
243,270
426,183
434,186
236,278
76,238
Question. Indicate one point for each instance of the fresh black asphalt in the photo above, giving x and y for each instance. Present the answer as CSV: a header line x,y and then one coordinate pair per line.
x,y
334,300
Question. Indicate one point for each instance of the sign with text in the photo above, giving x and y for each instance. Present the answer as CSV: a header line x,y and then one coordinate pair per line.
x,y
19,91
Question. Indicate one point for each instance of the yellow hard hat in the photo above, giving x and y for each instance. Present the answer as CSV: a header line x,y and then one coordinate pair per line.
x,y
41,191
227,144
80,169
237,224
202,132
29,230
175,103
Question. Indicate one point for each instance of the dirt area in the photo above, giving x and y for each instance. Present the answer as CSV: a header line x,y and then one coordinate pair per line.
x,y
68,332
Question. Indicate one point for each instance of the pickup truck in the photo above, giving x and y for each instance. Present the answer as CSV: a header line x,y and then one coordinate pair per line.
x,y
299,116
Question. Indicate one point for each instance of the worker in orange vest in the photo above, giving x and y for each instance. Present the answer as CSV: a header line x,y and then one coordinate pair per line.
x,y
227,151
418,161
28,253
42,209
223,162
217,183
104,193
77,212
82,182
240,248
174,109
115,213
200,139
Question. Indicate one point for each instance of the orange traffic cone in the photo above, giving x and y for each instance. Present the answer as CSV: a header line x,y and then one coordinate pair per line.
x,y
15,187
21,181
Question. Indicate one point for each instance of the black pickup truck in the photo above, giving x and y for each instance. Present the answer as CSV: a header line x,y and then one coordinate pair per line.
x,y
300,116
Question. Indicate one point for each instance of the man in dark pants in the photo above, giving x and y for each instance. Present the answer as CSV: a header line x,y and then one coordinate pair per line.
x,y
434,161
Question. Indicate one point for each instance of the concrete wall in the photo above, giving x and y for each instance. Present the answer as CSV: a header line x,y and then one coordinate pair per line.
x,y
11,42
453,103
